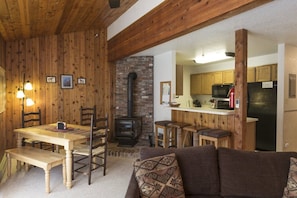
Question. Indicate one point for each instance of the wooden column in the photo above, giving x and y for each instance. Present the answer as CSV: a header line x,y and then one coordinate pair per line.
x,y
240,88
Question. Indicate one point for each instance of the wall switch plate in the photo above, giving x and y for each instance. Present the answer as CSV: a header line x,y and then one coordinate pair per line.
x,y
237,103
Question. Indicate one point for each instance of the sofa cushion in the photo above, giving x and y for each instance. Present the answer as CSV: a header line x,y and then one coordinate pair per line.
x,y
291,188
198,166
159,177
253,174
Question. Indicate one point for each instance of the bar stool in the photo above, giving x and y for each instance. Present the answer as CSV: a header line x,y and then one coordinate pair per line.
x,y
218,137
192,131
167,137
177,129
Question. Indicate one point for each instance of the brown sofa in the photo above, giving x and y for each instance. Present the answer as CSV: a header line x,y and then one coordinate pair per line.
x,y
210,172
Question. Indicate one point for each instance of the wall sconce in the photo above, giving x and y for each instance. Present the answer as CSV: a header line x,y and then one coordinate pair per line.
x,y
21,93
213,57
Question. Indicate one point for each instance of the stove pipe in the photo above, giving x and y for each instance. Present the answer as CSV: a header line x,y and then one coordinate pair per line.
x,y
131,77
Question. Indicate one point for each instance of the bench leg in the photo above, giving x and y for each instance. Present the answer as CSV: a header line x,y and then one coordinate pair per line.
x,y
8,165
47,180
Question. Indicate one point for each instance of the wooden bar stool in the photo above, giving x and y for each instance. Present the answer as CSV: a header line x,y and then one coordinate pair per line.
x,y
194,132
167,138
177,129
218,137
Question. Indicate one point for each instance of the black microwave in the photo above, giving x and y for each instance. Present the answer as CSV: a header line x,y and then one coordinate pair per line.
x,y
221,90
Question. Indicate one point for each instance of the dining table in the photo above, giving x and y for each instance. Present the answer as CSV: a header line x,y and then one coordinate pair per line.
x,y
49,133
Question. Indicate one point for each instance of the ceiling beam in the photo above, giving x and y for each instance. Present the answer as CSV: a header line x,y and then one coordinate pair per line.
x,y
172,19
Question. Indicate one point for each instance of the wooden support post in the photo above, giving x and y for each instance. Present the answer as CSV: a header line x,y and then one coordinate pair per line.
x,y
241,37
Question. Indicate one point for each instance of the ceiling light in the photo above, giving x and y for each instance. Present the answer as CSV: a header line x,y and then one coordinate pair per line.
x,y
213,57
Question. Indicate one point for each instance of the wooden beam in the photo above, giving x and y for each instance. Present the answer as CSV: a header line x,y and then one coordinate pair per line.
x,y
240,126
172,19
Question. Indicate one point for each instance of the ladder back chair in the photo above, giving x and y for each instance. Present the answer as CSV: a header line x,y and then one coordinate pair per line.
x,y
85,115
92,155
33,119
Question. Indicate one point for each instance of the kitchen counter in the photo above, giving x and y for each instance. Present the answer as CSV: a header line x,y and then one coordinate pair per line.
x,y
209,110
204,110
218,118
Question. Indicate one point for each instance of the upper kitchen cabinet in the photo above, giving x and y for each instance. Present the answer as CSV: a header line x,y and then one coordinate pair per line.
x,y
207,79
251,74
228,76
196,84
266,73
179,80
274,72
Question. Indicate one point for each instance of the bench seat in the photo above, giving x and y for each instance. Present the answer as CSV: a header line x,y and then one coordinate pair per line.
x,y
39,158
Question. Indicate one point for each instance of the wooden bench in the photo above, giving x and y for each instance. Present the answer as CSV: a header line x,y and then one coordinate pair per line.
x,y
39,158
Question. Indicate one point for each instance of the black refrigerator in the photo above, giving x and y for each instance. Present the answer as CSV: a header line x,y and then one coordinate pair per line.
x,y
262,105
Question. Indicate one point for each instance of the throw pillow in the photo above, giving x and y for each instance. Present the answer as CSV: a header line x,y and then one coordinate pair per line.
x,y
291,188
159,177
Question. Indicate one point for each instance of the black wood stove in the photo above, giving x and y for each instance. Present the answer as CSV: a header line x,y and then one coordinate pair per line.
x,y
128,128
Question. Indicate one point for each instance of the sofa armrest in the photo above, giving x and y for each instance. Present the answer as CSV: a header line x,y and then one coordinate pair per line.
x,y
133,189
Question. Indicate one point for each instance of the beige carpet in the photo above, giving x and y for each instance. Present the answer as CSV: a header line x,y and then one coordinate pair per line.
x,y
31,184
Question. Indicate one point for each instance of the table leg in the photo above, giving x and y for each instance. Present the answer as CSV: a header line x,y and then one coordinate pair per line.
x,y
68,168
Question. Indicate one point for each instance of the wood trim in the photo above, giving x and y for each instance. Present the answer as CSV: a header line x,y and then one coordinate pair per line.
x,y
172,19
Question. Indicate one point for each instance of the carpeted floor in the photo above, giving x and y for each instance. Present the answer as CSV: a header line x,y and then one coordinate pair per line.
x,y
31,184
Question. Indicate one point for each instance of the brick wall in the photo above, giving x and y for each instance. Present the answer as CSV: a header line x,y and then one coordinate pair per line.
x,y
143,92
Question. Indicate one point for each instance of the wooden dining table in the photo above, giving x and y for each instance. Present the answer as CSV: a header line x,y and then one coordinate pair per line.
x,y
74,134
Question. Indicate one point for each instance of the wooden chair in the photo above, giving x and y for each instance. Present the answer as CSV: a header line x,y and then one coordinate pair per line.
x,y
33,119
85,115
91,156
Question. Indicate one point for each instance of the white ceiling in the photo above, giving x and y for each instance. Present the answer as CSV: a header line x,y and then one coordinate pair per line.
x,y
268,25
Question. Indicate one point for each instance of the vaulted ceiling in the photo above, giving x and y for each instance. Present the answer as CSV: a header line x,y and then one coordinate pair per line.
x,y
22,19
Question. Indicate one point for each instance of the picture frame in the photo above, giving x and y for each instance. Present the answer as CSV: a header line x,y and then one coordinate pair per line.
x,y
81,81
66,81
51,79
165,92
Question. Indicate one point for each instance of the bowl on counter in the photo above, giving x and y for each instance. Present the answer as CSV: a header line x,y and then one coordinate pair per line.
x,y
174,104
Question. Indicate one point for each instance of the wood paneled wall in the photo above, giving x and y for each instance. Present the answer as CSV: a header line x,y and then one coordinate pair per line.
x,y
80,54
2,115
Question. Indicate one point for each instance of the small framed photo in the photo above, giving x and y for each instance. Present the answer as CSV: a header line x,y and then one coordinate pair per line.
x,y
51,79
81,81
66,81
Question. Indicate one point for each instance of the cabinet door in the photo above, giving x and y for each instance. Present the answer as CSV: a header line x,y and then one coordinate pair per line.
x,y
195,84
263,73
207,80
274,72
179,80
217,77
251,74
228,76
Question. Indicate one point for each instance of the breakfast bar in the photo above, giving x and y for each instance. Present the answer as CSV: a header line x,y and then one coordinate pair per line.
x,y
216,118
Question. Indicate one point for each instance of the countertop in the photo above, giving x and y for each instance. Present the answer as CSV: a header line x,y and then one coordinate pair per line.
x,y
210,111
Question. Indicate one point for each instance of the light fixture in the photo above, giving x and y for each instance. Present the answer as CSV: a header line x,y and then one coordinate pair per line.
x,y
28,86
21,93
213,57
29,102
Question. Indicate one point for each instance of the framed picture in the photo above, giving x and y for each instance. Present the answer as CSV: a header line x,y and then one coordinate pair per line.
x,y
81,81
66,81
165,92
51,79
